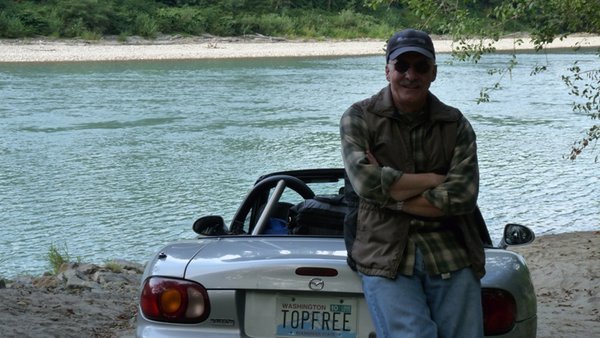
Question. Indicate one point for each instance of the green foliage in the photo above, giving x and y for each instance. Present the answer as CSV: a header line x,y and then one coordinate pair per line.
x,y
84,16
145,26
114,267
584,85
57,257
267,24
12,27
544,19
95,18
350,24
553,18
185,20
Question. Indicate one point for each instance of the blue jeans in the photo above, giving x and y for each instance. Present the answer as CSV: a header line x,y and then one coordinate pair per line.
x,y
425,306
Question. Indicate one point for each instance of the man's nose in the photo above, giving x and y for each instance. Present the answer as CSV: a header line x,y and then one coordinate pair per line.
x,y
411,73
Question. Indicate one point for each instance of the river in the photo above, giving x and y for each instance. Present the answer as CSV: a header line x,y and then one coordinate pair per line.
x,y
113,159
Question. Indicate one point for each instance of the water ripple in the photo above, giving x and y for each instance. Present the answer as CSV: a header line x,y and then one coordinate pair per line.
x,y
148,122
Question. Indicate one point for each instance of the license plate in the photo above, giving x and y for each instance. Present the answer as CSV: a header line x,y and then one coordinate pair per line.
x,y
316,317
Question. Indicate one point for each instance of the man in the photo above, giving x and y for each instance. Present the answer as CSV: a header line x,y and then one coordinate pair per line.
x,y
412,161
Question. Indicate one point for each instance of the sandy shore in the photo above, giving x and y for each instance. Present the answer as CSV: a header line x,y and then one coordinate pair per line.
x,y
565,270
43,50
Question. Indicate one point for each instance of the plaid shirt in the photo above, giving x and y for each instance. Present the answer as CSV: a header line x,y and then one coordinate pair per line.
x,y
440,245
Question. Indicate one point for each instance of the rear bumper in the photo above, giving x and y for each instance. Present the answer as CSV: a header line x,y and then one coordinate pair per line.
x,y
523,329
149,329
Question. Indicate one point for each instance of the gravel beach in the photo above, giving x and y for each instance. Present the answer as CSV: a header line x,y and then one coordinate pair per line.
x,y
181,48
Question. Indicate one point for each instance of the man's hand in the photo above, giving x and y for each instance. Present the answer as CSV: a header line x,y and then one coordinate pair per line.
x,y
409,187
372,159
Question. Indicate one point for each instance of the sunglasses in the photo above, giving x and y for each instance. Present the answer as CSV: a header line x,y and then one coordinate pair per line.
x,y
421,67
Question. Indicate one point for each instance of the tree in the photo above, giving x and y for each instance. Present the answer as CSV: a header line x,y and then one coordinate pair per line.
x,y
476,25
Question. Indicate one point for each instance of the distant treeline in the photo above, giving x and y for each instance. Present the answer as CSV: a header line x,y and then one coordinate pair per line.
x,y
92,19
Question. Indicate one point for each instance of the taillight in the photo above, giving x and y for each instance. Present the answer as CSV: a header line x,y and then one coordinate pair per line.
x,y
499,311
174,300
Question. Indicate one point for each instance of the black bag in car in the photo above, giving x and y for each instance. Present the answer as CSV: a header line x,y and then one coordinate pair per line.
x,y
322,215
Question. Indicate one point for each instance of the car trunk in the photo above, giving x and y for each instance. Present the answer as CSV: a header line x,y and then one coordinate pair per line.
x,y
285,286
273,263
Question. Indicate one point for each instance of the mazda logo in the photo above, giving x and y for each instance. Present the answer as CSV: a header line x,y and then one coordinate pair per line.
x,y
316,284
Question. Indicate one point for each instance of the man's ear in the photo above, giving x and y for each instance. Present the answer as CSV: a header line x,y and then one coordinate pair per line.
x,y
434,73
387,72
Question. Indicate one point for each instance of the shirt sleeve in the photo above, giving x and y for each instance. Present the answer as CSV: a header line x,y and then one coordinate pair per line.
x,y
458,194
369,181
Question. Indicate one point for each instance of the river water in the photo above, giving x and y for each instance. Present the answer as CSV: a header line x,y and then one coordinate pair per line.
x,y
111,160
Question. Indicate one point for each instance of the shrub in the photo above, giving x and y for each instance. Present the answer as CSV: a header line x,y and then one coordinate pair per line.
x,y
145,26
186,20
57,257
267,24
282,26
74,29
220,23
81,16
114,267
12,27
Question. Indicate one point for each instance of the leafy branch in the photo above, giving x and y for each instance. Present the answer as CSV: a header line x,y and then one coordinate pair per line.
x,y
585,85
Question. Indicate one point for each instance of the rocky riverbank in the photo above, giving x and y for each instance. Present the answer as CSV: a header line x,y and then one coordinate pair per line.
x,y
82,300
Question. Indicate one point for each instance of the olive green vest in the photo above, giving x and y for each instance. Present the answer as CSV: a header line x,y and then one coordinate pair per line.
x,y
381,233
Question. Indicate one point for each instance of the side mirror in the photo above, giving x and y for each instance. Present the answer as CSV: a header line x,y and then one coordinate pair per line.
x,y
516,234
210,226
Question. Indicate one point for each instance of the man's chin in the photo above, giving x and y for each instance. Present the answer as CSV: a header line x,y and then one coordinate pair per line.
x,y
412,90
412,100
413,95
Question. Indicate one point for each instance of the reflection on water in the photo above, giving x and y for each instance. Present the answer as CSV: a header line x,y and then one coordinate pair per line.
x,y
114,159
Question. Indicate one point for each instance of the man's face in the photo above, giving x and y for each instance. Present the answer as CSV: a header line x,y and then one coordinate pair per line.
x,y
410,76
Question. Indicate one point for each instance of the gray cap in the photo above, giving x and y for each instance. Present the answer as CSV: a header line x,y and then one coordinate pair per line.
x,y
409,40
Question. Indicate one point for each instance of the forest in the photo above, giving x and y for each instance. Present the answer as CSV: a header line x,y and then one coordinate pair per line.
x,y
298,19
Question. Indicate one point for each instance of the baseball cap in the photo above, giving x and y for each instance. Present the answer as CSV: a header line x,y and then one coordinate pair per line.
x,y
409,40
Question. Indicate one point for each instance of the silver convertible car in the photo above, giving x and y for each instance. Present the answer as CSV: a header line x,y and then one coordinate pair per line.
x,y
280,270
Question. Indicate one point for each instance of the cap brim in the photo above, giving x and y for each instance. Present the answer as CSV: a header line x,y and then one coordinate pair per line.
x,y
402,50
